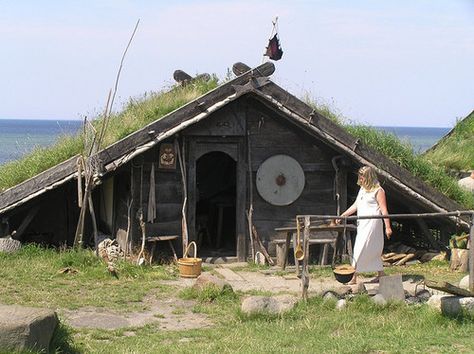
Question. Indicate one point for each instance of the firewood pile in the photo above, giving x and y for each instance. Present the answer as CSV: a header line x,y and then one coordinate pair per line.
x,y
398,254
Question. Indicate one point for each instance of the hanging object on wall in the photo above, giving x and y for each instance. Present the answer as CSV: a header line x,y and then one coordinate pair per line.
x,y
280,180
167,157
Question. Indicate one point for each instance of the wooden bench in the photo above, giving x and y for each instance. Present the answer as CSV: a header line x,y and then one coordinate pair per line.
x,y
155,239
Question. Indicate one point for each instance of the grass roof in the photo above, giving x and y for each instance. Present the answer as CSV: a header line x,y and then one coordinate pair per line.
x,y
455,150
139,112
402,154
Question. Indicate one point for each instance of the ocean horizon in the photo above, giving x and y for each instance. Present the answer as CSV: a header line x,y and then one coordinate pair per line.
x,y
21,136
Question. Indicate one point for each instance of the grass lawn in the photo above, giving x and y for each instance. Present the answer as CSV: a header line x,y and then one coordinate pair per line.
x,y
31,278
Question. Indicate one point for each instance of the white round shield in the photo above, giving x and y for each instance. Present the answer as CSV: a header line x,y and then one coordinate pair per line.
x,y
280,180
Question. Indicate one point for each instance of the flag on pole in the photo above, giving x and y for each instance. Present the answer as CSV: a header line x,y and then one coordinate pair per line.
x,y
273,50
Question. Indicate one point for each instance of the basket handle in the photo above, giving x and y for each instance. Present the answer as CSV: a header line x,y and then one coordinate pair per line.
x,y
186,251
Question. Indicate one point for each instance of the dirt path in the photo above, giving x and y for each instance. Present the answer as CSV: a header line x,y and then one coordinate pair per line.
x,y
173,313
169,314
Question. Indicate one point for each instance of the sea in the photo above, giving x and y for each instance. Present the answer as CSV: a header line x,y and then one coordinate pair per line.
x,y
20,136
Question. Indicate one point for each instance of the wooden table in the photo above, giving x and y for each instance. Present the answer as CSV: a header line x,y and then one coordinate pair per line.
x,y
316,236
155,239
309,234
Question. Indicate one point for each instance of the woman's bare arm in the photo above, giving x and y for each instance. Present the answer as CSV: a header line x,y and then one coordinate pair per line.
x,y
382,201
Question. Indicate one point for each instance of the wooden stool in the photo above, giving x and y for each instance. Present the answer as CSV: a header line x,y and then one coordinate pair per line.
x,y
155,239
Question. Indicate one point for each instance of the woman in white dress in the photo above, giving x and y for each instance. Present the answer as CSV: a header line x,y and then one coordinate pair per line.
x,y
369,240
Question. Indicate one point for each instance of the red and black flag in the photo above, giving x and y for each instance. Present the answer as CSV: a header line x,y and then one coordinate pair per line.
x,y
274,51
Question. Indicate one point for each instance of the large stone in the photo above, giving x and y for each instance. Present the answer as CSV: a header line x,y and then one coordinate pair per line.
x,y
464,283
379,300
274,305
452,305
26,328
330,296
391,287
206,279
341,304
342,290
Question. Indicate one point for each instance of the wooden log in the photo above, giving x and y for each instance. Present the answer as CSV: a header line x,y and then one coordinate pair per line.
x,y
405,259
448,287
395,258
388,255
240,68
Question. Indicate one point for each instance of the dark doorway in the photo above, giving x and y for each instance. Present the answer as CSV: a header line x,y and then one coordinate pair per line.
x,y
216,204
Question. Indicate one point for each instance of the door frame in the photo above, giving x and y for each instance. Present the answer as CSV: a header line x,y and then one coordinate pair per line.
x,y
235,148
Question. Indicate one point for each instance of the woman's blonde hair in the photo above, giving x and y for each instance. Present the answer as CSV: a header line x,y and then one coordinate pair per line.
x,y
370,181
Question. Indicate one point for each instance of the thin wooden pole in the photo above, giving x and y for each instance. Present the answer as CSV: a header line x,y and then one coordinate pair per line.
x,y
94,225
250,211
305,272
391,216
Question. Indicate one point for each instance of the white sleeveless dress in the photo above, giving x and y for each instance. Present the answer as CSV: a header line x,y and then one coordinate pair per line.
x,y
369,240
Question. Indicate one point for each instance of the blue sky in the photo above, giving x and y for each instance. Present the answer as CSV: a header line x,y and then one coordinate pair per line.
x,y
398,63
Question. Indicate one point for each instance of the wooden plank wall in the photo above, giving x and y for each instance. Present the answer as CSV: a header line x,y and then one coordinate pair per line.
x,y
168,193
271,135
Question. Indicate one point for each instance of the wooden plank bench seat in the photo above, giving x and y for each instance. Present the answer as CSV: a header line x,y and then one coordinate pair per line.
x,y
155,239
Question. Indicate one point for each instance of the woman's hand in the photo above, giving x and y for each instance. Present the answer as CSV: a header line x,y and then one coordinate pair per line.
x,y
388,232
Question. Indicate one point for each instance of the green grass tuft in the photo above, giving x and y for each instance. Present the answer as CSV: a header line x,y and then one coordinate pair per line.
x,y
456,151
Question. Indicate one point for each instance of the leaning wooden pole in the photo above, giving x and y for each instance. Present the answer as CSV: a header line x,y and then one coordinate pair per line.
x,y
250,211
471,255
305,271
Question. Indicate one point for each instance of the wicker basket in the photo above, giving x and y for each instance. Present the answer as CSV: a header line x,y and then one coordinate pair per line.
x,y
190,267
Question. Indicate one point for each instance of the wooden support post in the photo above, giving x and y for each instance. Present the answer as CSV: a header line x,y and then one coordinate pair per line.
x,y
305,271
426,232
94,225
471,255
26,221
287,249
78,238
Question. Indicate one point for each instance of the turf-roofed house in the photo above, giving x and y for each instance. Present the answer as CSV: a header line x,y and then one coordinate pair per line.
x,y
197,171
